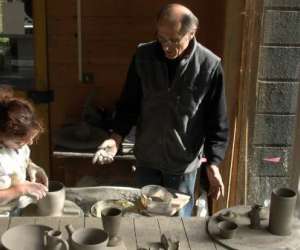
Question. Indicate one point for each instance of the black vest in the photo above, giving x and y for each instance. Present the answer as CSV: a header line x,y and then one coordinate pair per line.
x,y
170,133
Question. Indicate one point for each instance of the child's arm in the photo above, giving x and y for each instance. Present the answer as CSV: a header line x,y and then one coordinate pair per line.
x,y
36,190
37,174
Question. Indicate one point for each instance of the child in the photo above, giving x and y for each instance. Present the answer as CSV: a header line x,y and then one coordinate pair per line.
x,y
19,126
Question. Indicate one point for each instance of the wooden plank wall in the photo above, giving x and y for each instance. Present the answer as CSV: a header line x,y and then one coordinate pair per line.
x,y
111,29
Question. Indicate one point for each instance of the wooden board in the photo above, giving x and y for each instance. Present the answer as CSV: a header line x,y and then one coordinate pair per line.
x,y
48,221
15,221
196,234
176,228
127,233
147,232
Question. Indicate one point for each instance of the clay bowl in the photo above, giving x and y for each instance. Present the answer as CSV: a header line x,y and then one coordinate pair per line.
x,y
156,199
28,236
227,229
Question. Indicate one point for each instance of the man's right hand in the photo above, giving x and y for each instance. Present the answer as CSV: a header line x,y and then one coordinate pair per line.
x,y
106,152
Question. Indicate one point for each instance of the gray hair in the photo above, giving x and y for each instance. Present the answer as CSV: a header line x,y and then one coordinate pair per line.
x,y
189,22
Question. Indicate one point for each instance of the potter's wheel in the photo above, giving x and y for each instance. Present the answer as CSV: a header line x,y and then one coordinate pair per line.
x,y
247,238
70,209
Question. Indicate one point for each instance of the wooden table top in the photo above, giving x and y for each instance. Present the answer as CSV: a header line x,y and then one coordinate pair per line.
x,y
145,232
141,232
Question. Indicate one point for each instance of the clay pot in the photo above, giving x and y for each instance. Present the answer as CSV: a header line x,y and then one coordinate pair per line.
x,y
87,238
283,201
53,203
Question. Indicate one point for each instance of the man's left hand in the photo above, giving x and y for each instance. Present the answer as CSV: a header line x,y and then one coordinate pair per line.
x,y
216,186
37,174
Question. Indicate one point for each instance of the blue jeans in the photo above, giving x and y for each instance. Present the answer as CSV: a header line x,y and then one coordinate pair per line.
x,y
183,183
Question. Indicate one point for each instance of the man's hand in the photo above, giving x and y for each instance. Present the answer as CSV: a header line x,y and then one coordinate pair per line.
x,y
108,149
106,152
216,186
37,174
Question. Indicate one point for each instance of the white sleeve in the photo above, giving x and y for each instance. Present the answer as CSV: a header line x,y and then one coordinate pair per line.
x,y
26,151
5,180
26,154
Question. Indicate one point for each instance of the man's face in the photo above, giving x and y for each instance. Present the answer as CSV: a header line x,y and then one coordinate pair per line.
x,y
172,43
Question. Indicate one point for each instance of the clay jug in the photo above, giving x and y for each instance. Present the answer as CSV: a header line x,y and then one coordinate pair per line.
x,y
283,201
54,241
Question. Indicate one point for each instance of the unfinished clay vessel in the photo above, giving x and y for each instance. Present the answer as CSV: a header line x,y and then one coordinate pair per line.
x,y
227,229
54,241
25,237
87,238
111,220
283,201
53,203
254,216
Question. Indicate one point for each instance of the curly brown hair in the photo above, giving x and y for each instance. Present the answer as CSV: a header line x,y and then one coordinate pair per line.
x,y
17,116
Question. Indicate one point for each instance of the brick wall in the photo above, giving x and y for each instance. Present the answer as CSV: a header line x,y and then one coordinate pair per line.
x,y
276,99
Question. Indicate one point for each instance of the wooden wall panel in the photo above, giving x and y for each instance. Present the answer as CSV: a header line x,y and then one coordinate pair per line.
x,y
119,8
63,54
63,75
113,77
61,26
68,104
59,8
124,28
109,52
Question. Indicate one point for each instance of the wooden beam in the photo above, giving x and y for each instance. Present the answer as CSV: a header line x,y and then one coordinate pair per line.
x,y
242,38
247,99
41,151
234,24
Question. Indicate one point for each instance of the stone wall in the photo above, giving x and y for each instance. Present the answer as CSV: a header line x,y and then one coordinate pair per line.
x,y
1,15
276,99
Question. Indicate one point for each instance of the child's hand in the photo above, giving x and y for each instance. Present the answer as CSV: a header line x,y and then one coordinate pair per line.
x,y
37,174
37,190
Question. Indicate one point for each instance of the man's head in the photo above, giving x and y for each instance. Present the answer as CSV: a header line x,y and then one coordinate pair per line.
x,y
176,27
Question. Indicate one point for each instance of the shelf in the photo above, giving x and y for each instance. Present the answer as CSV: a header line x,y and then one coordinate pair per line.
x,y
69,154
26,36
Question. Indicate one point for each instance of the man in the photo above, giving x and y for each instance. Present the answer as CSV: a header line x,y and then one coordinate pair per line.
x,y
174,94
